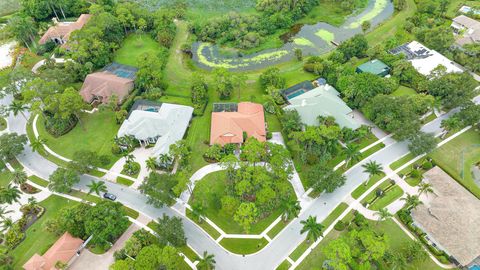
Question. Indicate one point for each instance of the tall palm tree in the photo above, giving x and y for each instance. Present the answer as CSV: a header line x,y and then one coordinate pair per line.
x,y
7,224
207,262
17,107
291,209
97,187
426,188
372,168
4,211
9,194
412,201
383,214
151,164
352,154
19,177
313,229
37,144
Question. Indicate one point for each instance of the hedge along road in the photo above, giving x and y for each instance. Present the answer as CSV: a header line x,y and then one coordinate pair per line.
x,y
271,255
311,39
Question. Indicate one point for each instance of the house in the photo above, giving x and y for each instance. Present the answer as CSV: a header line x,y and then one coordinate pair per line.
x,y
100,86
61,31
450,217
425,60
376,67
324,101
63,250
467,30
162,124
231,121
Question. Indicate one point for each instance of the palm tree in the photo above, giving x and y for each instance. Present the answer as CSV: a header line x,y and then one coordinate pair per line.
x,y
383,214
17,107
37,144
9,194
314,230
207,262
4,211
7,223
291,209
151,164
97,187
19,177
372,168
426,188
412,201
352,154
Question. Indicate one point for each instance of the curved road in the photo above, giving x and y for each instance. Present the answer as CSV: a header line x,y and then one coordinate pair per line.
x,y
280,247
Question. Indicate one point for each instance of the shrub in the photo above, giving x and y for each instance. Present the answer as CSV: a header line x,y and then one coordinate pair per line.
x,y
415,173
58,127
269,135
340,226
14,236
104,160
131,168
116,150
213,153
427,165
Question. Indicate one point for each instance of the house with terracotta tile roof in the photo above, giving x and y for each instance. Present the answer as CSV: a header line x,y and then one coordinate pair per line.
x,y
230,122
100,86
61,31
63,250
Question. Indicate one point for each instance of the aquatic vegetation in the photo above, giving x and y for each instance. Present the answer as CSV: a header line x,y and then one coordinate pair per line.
x,y
377,9
325,35
303,42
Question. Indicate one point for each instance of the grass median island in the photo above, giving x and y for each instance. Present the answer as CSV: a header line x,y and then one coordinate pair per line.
x,y
37,180
243,246
363,188
208,193
37,239
95,133
402,161
390,194
457,158
277,229
285,265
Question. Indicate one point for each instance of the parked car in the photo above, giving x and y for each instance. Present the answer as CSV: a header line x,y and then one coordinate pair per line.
x,y
109,196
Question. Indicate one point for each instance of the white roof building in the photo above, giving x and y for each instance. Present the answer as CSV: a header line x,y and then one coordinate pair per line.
x,y
425,60
164,128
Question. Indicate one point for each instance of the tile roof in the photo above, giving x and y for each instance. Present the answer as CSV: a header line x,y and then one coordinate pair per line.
x,y
228,127
64,29
104,85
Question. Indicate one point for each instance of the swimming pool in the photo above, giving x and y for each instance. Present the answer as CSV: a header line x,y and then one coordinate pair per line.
x,y
475,267
296,93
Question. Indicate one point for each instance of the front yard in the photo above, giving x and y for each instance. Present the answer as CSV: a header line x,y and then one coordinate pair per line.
x,y
95,133
38,239
457,158
133,47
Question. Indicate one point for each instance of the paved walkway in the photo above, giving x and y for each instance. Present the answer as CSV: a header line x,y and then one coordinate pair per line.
x,y
42,62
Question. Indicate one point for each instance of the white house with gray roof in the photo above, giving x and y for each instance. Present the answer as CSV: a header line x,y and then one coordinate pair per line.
x,y
163,126
324,101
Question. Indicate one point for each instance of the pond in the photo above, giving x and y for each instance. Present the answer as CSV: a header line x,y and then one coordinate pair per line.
x,y
311,39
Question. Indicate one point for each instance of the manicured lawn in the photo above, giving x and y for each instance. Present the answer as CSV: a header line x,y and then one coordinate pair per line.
x,y
37,180
5,177
3,124
429,118
396,239
95,133
392,195
124,181
457,158
38,240
334,214
300,250
205,226
189,253
362,188
277,229
210,190
134,46
243,246
403,91
400,162
285,265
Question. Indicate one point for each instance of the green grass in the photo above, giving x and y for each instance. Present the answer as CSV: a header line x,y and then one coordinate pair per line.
x,y
300,250
133,47
135,175
30,59
362,188
124,181
38,240
429,118
210,190
334,214
392,195
243,246
277,229
189,253
95,133
403,91
330,12
37,180
9,7
3,124
130,212
285,265
455,5
5,177
458,156
400,162
205,226
396,239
